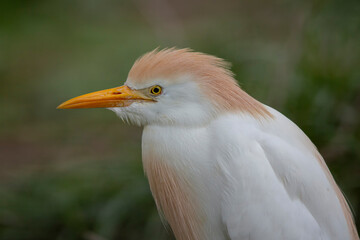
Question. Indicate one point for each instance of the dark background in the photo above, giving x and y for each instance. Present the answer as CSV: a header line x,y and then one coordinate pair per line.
x,y
77,174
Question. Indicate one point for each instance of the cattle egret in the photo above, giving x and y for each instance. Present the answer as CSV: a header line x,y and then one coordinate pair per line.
x,y
220,164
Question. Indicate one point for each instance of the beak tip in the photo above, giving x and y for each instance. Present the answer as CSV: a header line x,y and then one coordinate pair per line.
x,y
61,106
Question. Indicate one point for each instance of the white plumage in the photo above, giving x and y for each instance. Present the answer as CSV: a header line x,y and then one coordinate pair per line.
x,y
220,164
253,180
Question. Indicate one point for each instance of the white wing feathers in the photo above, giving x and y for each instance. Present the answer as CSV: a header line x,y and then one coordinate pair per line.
x,y
277,189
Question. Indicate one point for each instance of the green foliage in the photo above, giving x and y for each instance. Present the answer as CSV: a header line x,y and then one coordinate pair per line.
x,y
92,200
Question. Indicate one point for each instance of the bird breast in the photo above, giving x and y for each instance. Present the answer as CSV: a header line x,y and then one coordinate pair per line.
x,y
174,162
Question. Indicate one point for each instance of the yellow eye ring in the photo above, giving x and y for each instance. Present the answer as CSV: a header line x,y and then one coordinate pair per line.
x,y
155,90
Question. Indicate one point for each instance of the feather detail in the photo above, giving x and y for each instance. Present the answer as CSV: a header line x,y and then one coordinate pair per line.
x,y
211,73
344,205
172,198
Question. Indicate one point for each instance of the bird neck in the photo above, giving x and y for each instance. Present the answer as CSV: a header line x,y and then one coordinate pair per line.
x,y
171,177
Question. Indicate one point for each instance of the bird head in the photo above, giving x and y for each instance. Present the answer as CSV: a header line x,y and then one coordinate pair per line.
x,y
172,87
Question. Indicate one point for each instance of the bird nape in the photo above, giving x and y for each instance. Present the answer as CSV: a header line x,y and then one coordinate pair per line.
x,y
220,164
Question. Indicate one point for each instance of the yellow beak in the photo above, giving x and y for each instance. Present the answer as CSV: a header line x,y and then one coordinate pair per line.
x,y
114,97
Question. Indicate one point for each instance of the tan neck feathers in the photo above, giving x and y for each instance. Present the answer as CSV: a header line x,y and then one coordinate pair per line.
x,y
173,199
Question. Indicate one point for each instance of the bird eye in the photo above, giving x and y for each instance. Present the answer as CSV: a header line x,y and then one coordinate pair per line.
x,y
155,90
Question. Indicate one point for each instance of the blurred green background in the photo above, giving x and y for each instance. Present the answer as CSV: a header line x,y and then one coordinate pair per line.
x,y
77,174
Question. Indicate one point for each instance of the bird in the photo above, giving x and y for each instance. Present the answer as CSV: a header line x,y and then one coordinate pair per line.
x,y
220,164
